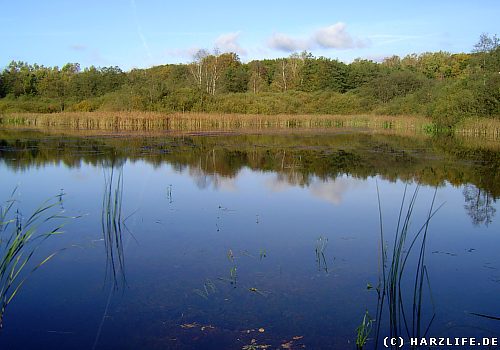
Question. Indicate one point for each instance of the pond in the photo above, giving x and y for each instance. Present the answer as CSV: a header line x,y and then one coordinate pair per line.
x,y
226,241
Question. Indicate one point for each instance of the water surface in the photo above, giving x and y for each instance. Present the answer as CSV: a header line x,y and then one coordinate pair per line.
x,y
219,237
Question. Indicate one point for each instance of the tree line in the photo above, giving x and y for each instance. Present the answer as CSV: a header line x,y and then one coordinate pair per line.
x,y
447,87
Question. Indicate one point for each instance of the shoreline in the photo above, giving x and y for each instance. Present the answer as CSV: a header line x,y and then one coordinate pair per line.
x,y
218,123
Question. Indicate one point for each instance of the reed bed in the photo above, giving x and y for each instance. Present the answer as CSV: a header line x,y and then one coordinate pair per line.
x,y
481,131
479,127
144,121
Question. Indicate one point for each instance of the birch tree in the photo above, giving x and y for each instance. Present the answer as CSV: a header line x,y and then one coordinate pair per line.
x,y
197,67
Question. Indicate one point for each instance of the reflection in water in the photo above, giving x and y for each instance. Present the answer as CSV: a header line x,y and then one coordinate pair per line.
x,y
111,224
330,190
321,244
204,180
181,276
296,159
479,205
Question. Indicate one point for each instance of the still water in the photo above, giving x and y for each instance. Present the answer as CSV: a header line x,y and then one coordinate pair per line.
x,y
251,241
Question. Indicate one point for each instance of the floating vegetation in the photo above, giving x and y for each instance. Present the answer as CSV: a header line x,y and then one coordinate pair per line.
x,y
196,325
293,343
321,244
233,271
258,291
190,325
254,345
262,254
19,240
230,255
233,275
208,289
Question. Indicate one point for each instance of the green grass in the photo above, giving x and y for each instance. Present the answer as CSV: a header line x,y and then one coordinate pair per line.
x,y
363,331
405,310
20,238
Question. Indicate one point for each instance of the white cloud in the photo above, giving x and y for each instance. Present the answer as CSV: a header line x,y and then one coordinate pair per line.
x,y
334,36
283,42
229,43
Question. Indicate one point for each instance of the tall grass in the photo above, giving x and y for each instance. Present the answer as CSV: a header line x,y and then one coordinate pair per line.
x,y
482,127
20,238
405,310
150,121
102,122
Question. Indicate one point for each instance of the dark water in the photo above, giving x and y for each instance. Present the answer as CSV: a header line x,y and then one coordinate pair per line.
x,y
220,236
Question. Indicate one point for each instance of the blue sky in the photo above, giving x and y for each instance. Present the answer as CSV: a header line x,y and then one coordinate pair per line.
x,y
142,33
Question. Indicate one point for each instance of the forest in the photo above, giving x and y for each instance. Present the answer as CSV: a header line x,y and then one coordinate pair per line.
x,y
447,87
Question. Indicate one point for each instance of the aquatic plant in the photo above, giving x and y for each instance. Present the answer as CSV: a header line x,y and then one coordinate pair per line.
x,y
137,121
112,225
258,291
19,240
321,244
169,194
262,254
393,268
233,274
496,318
363,331
208,289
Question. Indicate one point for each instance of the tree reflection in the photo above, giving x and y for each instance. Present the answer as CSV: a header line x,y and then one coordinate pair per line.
x,y
479,205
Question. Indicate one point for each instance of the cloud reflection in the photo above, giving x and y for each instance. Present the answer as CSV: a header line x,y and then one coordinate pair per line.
x,y
331,190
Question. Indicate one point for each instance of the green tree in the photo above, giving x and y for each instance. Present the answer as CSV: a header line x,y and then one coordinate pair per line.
x,y
396,84
257,80
2,85
19,79
324,74
486,50
435,65
361,72
54,85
